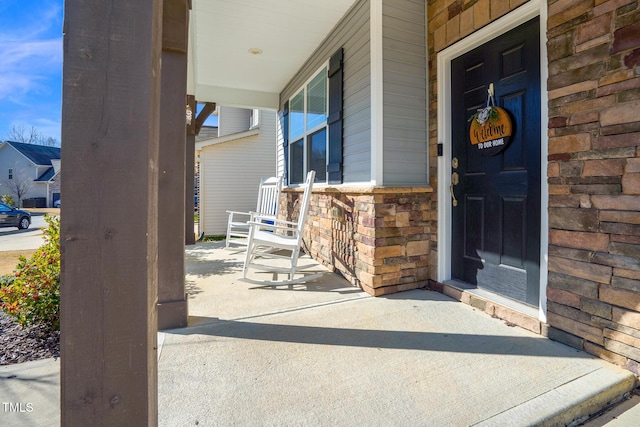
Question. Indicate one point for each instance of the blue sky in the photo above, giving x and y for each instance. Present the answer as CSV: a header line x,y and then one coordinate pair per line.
x,y
31,65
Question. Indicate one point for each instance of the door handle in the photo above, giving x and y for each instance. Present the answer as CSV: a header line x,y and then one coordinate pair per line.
x,y
455,179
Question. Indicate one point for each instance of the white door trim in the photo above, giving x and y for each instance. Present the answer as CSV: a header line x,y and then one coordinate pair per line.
x,y
508,22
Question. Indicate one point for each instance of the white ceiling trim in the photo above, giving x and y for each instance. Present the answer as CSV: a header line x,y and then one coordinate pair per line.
x,y
233,97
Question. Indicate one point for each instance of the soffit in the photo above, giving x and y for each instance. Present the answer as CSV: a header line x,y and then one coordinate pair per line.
x,y
221,68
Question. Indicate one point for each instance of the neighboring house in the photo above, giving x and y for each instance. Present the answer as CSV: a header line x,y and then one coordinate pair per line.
x,y
232,163
35,169
543,231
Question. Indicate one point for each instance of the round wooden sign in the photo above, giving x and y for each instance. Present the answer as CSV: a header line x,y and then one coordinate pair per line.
x,y
490,131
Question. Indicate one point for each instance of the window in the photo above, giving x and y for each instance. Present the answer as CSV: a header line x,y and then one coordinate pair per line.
x,y
308,130
10,173
312,126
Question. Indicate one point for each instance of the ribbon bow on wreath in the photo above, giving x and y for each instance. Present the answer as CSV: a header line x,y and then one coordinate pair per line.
x,y
488,112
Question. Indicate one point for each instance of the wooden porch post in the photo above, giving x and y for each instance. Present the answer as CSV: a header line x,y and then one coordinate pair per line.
x,y
111,94
190,237
172,301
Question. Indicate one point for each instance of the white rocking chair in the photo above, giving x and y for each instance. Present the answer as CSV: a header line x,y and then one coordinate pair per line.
x,y
268,241
267,208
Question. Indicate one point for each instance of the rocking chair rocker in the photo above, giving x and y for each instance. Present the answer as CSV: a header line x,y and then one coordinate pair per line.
x,y
267,242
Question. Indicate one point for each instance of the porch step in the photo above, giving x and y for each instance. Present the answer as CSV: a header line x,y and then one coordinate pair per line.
x,y
572,403
513,312
626,413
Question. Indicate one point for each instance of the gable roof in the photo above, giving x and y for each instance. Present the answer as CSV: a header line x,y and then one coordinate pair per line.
x,y
207,132
40,155
46,175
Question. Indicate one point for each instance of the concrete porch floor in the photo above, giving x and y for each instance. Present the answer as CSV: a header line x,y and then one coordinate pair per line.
x,y
325,353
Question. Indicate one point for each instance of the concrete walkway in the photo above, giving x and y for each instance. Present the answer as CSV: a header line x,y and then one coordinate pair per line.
x,y
326,354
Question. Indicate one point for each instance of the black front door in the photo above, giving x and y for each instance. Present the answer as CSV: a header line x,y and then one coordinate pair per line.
x,y
496,219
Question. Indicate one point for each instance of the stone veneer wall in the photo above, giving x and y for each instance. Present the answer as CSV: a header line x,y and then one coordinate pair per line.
x,y
377,238
594,177
593,295
54,187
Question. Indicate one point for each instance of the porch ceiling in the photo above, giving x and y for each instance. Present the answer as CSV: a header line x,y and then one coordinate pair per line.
x,y
221,68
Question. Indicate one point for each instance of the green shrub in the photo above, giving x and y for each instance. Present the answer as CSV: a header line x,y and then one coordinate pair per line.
x,y
8,199
33,296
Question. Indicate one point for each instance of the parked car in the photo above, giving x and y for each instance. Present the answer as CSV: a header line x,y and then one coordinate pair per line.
x,y
12,217
56,204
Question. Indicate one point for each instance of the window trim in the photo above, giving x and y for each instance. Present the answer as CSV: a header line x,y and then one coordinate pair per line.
x,y
254,120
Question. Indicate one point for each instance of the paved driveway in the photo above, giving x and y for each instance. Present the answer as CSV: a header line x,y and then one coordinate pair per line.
x,y
12,239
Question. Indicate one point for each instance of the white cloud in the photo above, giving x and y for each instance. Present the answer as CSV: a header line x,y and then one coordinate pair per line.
x,y
30,53
43,17
25,65
47,127
30,48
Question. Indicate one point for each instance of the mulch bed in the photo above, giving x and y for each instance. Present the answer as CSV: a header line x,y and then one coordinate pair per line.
x,y
19,345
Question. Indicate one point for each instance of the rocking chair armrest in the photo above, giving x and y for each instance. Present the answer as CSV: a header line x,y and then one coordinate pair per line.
x,y
262,215
273,227
274,220
239,213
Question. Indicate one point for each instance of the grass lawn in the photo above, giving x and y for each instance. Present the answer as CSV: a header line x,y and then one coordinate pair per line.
x,y
9,259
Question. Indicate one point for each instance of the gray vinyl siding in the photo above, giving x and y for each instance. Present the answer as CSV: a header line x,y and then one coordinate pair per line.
x,y
233,120
351,33
405,152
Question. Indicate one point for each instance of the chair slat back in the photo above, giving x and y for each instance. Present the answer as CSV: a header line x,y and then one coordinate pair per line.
x,y
269,196
306,198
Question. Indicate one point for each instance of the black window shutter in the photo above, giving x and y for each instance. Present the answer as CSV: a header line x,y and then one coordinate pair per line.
x,y
334,121
285,140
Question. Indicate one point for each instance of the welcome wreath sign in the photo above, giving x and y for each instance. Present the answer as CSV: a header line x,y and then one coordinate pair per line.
x,y
491,128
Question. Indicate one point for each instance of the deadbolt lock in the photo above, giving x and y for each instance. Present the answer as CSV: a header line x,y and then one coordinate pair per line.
x,y
454,163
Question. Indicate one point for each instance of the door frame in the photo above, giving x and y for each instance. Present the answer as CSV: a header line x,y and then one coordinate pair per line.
x,y
496,28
